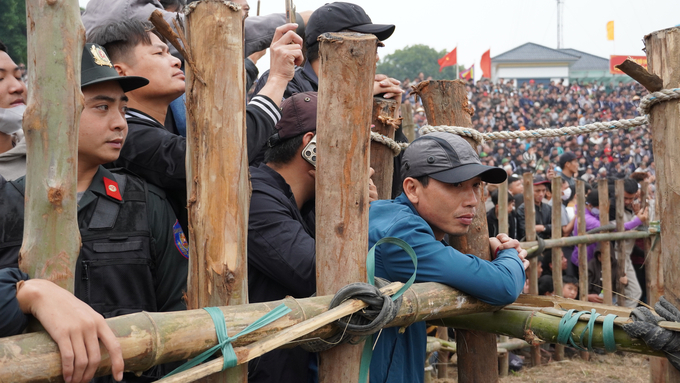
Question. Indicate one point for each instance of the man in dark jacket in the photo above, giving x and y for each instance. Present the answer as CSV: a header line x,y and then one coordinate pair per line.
x,y
492,217
155,151
335,17
133,255
543,211
281,245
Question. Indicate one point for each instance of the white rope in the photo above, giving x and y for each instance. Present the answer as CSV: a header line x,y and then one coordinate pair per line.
x,y
645,105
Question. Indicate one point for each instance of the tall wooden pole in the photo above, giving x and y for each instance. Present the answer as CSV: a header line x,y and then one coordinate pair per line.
x,y
446,103
51,242
582,248
557,251
663,58
408,125
217,163
605,250
382,157
503,227
343,129
620,254
530,234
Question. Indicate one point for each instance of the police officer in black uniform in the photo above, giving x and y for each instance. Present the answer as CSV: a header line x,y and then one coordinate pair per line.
x,y
134,253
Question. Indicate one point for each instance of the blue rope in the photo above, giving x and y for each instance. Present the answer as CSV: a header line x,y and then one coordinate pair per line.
x,y
570,319
224,341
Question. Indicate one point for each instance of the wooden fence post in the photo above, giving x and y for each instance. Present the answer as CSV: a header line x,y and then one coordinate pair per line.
x,y
51,242
530,234
582,248
446,103
557,251
217,163
503,227
663,57
382,157
408,126
603,191
620,255
343,130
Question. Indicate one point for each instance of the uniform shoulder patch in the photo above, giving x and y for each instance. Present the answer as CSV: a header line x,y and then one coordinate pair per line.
x,y
180,240
112,189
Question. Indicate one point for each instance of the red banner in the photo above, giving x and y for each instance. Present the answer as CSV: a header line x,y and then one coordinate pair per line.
x,y
616,60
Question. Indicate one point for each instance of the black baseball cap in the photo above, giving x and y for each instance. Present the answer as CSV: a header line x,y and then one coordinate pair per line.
x,y
447,158
540,180
298,115
95,67
336,17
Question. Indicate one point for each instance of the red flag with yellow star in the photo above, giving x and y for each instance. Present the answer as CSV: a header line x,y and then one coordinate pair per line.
x,y
449,59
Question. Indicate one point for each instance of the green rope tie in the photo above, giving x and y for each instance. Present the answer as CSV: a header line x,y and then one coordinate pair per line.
x,y
367,353
570,319
224,341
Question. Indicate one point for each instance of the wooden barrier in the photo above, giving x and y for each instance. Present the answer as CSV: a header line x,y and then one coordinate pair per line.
x,y
557,251
603,191
446,103
382,157
343,141
663,58
51,242
503,227
620,254
217,160
530,234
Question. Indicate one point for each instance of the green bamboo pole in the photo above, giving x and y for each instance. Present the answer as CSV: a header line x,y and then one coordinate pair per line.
x,y
532,246
51,242
148,339
532,325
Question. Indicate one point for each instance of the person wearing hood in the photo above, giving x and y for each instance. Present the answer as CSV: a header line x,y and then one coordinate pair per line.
x,y
12,106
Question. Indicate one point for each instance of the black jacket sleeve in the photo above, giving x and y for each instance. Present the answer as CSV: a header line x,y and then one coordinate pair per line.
x,y
158,156
12,320
279,246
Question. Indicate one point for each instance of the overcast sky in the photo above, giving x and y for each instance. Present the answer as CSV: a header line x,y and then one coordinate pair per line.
x,y
477,25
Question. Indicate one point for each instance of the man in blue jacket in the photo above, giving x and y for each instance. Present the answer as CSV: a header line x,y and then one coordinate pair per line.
x,y
442,187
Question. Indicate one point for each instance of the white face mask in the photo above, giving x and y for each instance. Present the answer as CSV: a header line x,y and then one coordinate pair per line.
x,y
10,119
566,194
595,211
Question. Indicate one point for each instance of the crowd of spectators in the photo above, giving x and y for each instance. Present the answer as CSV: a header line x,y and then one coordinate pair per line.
x,y
506,105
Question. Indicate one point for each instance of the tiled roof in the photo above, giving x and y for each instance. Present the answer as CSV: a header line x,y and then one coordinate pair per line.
x,y
531,52
587,61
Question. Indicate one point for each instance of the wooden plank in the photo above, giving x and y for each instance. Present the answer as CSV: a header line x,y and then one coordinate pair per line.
x,y
620,255
51,242
382,157
663,58
557,251
446,103
582,249
603,190
530,234
408,126
217,160
343,131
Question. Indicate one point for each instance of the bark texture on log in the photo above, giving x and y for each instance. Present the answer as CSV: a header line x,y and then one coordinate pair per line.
x,y
530,234
663,59
382,157
557,251
605,250
408,125
148,339
446,103
217,163
503,226
51,242
343,130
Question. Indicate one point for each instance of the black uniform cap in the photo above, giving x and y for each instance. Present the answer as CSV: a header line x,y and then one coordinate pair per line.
x,y
96,67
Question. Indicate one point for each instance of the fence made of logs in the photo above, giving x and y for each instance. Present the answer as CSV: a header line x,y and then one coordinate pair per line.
x,y
218,226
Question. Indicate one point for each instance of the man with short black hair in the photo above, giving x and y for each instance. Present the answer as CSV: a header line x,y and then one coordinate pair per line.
x,y
335,17
155,151
442,189
569,166
134,254
542,209
281,231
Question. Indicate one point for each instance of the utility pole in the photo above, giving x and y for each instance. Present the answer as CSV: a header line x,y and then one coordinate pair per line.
x,y
560,24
